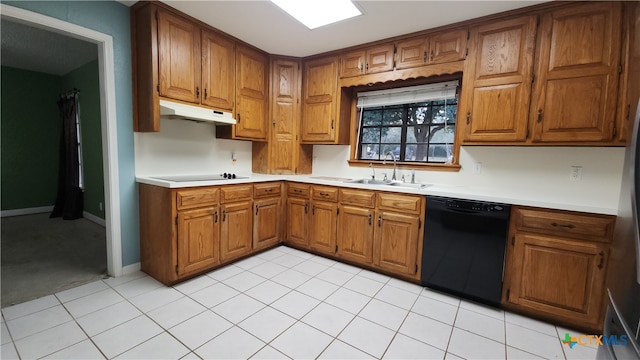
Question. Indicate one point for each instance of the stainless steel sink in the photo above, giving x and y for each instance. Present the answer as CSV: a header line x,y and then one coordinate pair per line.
x,y
368,182
387,183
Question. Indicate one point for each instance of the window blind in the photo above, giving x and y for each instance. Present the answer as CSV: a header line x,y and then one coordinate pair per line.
x,y
408,95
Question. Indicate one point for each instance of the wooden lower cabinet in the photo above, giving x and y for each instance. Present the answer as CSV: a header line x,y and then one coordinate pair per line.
x,y
355,234
322,230
266,222
198,238
396,242
236,237
556,265
323,219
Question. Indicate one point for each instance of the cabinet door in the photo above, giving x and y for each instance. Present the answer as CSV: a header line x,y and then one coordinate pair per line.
x,y
412,53
178,57
198,240
251,94
352,63
396,242
561,278
286,156
320,85
379,59
297,222
448,46
575,96
322,231
236,235
218,71
355,234
266,223
497,78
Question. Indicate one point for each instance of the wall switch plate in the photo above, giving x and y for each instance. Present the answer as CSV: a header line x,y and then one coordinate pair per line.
x,y
575,173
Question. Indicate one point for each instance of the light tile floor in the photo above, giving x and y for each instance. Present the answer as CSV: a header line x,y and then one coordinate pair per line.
x,y
282,303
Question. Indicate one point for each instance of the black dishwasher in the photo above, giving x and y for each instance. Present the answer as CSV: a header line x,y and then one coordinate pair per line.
x,y
464,247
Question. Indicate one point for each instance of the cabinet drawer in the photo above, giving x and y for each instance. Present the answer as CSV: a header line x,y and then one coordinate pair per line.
x,y
266,190
401,203
357,197
324,193
186,199
568,224
298,190
236,193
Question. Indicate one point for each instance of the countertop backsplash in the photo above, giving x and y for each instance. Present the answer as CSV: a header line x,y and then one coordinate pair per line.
x,y
540,173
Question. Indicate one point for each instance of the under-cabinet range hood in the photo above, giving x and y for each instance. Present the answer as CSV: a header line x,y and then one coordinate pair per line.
x,y
175,110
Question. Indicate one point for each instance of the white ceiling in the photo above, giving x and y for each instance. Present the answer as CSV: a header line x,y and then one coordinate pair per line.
x,y
259,23
266,26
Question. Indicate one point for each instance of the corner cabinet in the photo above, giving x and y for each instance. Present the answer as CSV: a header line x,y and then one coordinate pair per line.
x,y
553,75
320,123
556,264
283,153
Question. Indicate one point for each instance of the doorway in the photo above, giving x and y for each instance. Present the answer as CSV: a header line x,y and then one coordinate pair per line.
x,y
104,45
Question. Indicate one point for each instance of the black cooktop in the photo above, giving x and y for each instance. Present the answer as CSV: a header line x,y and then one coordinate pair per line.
x,y
200,177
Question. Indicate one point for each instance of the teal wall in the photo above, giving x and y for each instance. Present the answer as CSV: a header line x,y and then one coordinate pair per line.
x,y
111,18
87,80
30,132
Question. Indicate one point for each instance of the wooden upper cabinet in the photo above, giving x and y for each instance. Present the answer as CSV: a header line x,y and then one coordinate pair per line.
x,y
178,57
218,70
367,61
575,95
438,48
320,87
497,81
252,69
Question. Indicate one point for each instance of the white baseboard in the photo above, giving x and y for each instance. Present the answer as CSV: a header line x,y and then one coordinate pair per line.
x,y
93,218
27,211
129,269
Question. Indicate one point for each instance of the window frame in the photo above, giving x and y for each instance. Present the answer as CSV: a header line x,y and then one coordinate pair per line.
x,y
355,125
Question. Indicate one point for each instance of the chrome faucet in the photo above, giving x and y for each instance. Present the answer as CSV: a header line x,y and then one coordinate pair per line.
x,y
393,176
373,171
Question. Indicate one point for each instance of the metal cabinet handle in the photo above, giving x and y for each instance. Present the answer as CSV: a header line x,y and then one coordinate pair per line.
x,y
468,117
601,263
205,93
539,115
257,209
197,91
306,208
431,59
424,57
324,194
238,118
313,210
379,220
215,217
274,122
224,215
370,219
332,124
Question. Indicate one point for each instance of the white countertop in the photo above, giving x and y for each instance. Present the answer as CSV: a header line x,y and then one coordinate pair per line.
x,y
462,192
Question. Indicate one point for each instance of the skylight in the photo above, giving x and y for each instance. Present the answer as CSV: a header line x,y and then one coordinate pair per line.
x,y
316,13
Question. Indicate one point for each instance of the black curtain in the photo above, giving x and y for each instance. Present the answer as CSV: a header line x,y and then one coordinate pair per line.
x,y
69,201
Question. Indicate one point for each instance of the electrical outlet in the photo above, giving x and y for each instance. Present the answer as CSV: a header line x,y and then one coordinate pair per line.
x,y
575,173
315,160
477,168
233,157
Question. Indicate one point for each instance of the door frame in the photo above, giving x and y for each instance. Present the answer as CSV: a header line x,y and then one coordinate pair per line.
x,y
108,118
